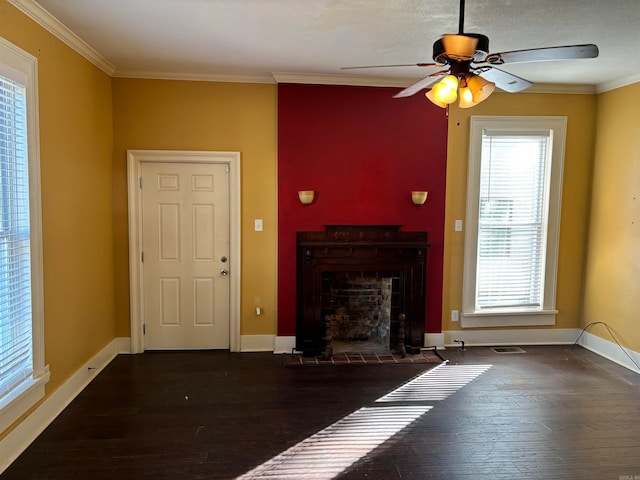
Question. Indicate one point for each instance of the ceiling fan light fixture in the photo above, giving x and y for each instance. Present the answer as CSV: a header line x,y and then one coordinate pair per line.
x,y
450,81
466,98
480,87
446,90
433,100
470,89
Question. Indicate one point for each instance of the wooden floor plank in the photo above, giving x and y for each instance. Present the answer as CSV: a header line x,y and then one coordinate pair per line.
x,y
549,413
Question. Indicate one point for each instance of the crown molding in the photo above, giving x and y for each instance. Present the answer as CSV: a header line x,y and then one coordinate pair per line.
x,y
618,83
328,79
47,21
331,79
197,77
561,88
272,77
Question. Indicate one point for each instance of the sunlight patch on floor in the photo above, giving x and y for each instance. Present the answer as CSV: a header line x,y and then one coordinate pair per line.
x,y
329,452
435,384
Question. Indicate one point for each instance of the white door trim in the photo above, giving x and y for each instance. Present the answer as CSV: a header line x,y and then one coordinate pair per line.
x,y
135,159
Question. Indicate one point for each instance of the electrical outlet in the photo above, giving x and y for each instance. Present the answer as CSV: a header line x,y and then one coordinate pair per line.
x,y
257,224
458,226
455,315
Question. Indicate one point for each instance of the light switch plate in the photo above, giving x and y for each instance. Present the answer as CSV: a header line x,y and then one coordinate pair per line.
x,y
458,226
257,224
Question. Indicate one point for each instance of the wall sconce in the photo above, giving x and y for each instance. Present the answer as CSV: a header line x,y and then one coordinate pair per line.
x,y
419,198
306,196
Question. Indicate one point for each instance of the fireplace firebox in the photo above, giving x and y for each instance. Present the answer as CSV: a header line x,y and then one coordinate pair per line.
x,y
366,252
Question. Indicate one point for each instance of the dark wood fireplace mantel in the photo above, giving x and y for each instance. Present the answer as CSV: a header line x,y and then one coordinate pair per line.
x,y
367,250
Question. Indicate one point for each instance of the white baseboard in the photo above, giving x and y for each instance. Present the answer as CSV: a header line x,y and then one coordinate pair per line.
x,y
256,343
529,336
124,344
434,340
284,344
610,350
34,424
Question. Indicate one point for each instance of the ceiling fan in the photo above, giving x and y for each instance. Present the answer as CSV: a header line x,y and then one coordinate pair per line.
x,y
467,69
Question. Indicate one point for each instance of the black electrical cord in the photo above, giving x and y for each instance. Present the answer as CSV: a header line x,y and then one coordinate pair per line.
x,y
612,336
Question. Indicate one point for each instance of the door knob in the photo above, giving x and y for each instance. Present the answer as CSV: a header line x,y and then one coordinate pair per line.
x,y
224,272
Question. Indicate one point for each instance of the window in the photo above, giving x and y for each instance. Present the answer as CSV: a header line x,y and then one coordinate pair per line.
x,y
22,370
513,214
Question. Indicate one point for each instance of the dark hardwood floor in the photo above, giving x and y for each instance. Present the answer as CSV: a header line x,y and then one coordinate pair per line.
x,y
549,413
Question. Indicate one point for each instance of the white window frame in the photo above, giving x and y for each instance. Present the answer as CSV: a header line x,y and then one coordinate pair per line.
x,y
20,66
546,314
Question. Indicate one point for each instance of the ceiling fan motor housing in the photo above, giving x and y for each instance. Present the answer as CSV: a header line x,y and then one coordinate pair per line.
x,y
440,55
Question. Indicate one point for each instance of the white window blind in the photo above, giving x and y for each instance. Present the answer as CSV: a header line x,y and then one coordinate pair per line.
x,y
514,199
512,219
16,352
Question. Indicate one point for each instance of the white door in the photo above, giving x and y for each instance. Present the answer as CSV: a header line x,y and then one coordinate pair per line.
x,y
186,265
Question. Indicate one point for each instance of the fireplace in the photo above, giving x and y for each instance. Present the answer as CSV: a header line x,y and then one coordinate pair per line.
x,y
373,264
359,310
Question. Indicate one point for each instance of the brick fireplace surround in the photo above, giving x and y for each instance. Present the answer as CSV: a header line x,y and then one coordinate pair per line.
x,y
360,251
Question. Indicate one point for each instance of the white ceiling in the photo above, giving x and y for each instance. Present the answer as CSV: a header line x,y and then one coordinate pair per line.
x,y
313,39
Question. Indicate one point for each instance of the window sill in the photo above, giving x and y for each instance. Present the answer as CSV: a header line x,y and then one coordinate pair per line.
x,y
526,318
21,399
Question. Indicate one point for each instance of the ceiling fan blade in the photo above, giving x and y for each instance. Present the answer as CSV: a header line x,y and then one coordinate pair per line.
x,y
426,82
542,54
504,80
398,65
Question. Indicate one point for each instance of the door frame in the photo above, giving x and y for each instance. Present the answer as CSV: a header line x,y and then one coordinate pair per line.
x,y
135,159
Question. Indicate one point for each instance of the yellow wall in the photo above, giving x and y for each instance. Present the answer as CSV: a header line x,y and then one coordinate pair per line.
x,y
581,111
181,115
612,285
75,158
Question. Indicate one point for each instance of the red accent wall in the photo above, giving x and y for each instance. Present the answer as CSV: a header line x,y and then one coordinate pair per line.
x,y
363,152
